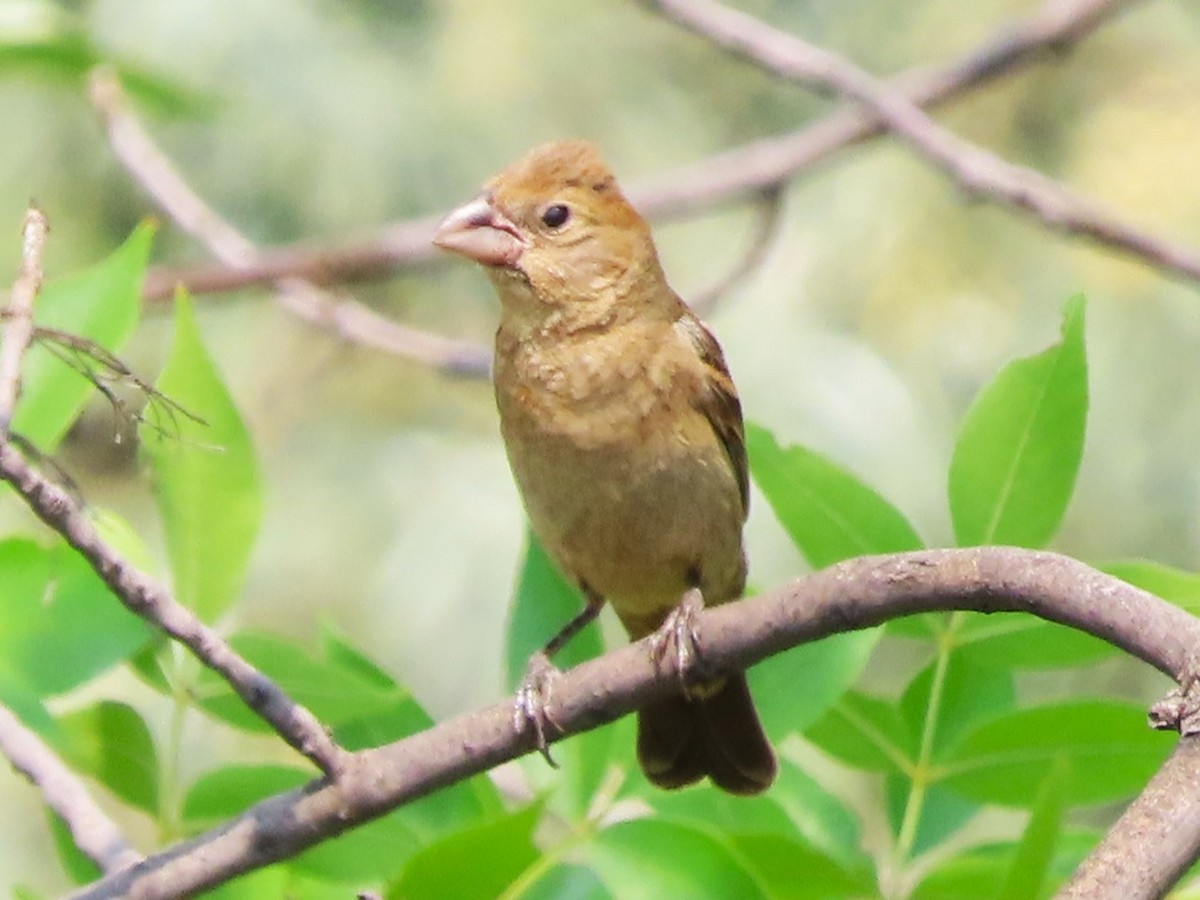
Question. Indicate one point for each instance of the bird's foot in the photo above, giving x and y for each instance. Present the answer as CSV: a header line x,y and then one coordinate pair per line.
x,y
533,697
677,638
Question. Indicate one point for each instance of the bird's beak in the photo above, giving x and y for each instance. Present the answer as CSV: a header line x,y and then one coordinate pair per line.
x,y
479,231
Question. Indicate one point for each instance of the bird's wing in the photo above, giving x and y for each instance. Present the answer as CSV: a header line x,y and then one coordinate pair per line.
x,y
718,401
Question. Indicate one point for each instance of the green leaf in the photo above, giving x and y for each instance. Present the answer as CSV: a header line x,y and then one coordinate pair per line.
x,y
702,807
59,624
791,870
1027,874
794,689
206,477
110,741
819,816
26,704
588,762
567,882
367,709
1106,746
101,304
80,868
796,807
829,513
336,694
1018,453
477,862
866,733
974,873
942,812
271,883
1026,642
543,603
1174,585
953,699
652,859
220,794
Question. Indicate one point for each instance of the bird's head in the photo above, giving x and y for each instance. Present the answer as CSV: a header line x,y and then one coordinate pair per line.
x,y
556,221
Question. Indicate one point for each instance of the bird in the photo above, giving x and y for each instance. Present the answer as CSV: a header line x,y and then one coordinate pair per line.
x,y
625,437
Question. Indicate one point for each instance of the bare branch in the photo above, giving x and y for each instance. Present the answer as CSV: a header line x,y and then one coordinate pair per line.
x,y
92,830
770,217
728,177
154,603
852,595
977,171
346,317
18,329
1154,842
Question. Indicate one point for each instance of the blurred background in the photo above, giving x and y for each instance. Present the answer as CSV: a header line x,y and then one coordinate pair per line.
x,y
884,301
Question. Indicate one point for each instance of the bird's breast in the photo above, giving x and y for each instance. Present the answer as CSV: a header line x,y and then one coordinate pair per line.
x,y
624,480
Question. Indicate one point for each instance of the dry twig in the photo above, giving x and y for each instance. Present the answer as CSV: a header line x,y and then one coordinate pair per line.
x,y
18,328
727,177
92,830
151,601
347,318
978,172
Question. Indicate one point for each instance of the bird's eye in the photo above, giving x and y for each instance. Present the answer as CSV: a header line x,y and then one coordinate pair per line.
x,y
556,216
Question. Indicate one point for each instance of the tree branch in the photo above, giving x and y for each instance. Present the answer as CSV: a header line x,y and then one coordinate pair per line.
x,y
148,599
18,329
93,832
346,317
977,171
728,177
852,595
768,220
1154,842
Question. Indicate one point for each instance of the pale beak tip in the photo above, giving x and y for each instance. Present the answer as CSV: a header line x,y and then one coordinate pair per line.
x,y
479,232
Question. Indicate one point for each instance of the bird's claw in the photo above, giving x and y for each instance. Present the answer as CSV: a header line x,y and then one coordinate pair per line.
x,y
530,706
678,636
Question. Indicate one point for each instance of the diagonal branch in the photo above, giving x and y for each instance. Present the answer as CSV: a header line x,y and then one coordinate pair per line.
x,y
148,599
975,170
855,594
726,177
345,316
92,830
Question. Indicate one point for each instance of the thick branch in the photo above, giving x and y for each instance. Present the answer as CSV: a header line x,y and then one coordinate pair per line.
x,y
151,601
18,329
977,171
93,832
1155,840
727,177
855,594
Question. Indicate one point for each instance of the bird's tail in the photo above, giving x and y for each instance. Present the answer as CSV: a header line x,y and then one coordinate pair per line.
x,y
681,740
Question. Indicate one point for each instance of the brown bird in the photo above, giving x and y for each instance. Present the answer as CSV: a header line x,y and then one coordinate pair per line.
x,y
624,433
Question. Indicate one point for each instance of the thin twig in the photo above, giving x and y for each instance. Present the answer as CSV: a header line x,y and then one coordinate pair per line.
x,y
731,176
346,317
151,601
18,317
766,226
980,173
92,830
855,594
